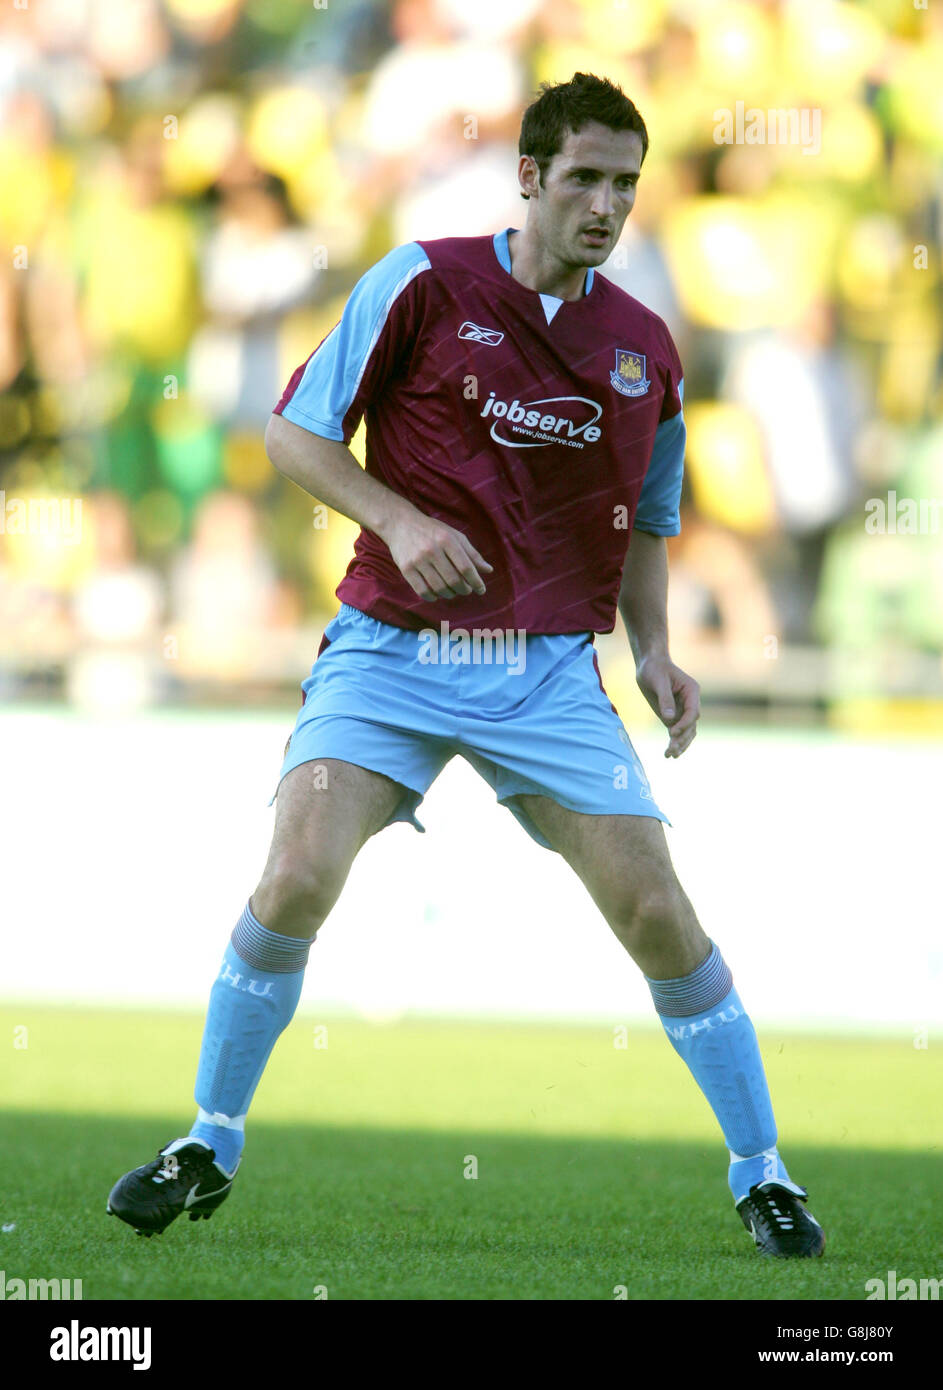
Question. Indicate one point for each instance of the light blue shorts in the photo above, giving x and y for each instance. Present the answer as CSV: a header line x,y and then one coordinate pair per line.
x,y
532,717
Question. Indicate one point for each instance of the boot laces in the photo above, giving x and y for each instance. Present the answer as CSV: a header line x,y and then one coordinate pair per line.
x,y
176,1165
780,1216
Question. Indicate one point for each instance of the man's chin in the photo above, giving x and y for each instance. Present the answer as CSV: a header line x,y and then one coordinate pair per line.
x,y
587,254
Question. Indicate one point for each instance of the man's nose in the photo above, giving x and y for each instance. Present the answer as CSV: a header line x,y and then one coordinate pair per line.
x,y
603,201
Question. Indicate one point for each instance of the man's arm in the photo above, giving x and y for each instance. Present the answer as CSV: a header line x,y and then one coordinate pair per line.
x,y
435,560
643,603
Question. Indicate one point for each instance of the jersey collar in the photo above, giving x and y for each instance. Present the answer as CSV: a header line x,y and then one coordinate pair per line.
x,y
503,253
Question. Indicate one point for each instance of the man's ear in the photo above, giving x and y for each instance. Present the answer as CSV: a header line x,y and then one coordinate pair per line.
x,y
528,174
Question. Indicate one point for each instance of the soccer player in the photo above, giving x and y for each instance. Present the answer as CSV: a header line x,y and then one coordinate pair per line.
x,y
525,442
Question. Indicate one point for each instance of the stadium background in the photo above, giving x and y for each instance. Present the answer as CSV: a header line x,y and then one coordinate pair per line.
x,y
188,191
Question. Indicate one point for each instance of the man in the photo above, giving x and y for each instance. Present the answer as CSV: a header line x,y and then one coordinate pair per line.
x,y
523,421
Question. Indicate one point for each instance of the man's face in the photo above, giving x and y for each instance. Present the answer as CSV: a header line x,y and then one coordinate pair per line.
x,y
587,193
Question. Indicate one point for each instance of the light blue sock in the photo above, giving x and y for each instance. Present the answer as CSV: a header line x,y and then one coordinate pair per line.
x,y
252,1001
710,1030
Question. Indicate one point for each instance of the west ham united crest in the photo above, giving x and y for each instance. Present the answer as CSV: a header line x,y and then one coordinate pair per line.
x,y
629,377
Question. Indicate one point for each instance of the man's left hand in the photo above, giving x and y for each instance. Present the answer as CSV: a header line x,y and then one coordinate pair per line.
x,y
675,697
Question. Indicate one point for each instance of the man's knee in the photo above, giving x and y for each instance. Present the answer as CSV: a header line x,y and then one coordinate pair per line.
x,y
296,893
643,911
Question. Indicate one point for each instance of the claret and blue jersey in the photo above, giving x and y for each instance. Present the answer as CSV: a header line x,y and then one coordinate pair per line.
x,y
542,429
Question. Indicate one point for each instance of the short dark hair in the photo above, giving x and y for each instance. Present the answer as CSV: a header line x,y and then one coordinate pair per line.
x,y
563,107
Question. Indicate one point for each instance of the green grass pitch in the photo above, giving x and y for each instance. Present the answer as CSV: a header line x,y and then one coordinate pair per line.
x,y
598,1167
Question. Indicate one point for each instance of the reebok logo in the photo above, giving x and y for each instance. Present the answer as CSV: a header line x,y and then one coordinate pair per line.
x,y
489,336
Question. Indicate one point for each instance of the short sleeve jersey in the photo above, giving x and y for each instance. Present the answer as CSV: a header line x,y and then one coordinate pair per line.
x,y
542,429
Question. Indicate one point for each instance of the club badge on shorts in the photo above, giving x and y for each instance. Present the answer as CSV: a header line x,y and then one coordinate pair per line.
x,y
629,377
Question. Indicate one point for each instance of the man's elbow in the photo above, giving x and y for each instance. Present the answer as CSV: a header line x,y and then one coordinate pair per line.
x,y
274,441
271,439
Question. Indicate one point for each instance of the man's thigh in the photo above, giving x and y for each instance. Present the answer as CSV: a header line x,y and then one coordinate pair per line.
x,y
619,858
328,809
624,864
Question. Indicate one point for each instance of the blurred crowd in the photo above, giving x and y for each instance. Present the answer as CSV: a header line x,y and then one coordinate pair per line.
x,y
189,189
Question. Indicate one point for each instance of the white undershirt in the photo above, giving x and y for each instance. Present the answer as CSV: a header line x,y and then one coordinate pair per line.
x,y
551,305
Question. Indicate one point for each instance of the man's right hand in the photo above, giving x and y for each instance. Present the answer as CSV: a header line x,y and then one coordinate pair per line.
x,y
435,560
